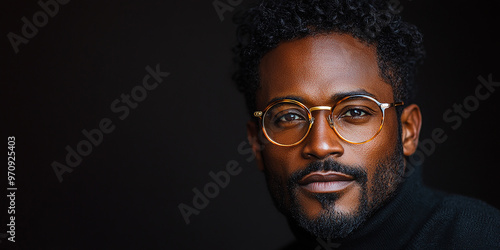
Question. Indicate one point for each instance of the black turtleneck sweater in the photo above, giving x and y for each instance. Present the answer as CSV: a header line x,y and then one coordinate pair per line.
x,y
419,218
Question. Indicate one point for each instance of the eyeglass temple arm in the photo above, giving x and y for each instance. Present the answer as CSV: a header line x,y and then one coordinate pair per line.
x,y
388,105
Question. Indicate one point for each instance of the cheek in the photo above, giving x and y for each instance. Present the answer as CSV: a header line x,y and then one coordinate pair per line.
x,y
279,164
371,153
382,148
281,161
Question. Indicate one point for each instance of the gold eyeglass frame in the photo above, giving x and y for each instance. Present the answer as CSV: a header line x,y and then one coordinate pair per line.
x,y
382,106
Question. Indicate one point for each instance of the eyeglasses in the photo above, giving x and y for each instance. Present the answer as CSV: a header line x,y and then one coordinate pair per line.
x,y
356,119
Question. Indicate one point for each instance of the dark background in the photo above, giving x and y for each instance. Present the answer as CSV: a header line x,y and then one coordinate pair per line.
x,y
126,193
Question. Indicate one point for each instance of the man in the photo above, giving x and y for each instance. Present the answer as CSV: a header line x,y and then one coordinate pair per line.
x,y
328,85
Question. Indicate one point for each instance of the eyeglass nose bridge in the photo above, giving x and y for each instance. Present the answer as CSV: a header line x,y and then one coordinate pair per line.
x,y
318,108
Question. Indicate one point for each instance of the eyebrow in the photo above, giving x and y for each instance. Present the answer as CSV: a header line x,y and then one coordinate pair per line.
x,y
335,98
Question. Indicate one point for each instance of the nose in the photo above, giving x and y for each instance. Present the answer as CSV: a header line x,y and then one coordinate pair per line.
x,y
322,141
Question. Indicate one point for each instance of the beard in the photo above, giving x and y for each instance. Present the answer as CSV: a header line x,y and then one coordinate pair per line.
x,y
332,223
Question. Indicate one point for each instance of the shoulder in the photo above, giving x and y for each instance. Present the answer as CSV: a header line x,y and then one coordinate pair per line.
x,y
468,216
466,205
468,213
461,222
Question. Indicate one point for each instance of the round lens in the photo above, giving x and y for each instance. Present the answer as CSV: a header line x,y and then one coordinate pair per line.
x,y
286,123
357,119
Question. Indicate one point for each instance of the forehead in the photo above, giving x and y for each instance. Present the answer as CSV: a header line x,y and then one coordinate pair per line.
x,y
316,68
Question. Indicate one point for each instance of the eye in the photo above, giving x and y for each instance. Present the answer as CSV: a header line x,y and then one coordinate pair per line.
x,y
290,117
355,113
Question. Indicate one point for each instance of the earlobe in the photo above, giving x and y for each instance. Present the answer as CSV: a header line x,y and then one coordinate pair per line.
x,y
253,139
411,121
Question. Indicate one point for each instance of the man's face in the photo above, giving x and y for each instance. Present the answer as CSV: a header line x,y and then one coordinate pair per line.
x,y
324,184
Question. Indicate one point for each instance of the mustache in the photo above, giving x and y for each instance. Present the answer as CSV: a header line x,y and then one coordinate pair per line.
x,y
357,172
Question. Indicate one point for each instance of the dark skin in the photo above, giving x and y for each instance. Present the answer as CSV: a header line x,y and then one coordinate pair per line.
x,y
316,69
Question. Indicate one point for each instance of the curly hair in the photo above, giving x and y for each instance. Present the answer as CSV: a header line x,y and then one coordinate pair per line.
x,y
262,27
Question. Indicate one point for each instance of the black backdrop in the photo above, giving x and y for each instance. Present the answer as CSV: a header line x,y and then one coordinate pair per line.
x,y
125,193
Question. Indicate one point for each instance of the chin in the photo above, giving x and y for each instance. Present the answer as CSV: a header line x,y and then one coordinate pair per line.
x,y
328,219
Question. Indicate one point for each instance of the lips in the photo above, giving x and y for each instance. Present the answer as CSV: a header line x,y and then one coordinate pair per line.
x,y
325,182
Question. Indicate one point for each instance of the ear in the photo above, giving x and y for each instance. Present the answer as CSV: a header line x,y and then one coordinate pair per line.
x,y
253,138
411,121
